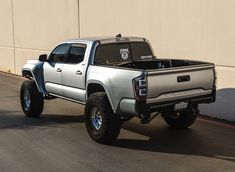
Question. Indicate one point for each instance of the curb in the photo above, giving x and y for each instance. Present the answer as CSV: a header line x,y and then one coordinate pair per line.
x,y
12,74
216,121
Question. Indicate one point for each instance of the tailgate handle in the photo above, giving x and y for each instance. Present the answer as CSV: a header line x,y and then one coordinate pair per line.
x,y
184,78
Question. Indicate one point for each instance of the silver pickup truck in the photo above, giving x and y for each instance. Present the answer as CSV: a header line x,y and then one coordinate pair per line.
x,y
116,79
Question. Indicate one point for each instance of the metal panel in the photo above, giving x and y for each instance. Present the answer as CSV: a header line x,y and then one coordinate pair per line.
x,y
36,69
52,74
128,106
74,93
116,82
166,82
179,95
53,88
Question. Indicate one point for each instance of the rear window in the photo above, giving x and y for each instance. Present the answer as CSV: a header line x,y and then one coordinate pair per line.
x,y
122,52
76,54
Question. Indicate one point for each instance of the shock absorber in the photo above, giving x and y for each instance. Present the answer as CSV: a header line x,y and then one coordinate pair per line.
x,y
194,108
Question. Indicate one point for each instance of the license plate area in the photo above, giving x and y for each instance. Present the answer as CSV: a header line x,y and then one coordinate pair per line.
x,y
181,106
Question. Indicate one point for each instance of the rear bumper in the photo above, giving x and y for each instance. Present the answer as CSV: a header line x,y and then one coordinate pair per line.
x,y
158,106
134,107
179,95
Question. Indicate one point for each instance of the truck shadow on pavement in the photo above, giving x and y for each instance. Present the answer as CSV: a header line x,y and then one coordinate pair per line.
x,y
200,139
183,142
16,120
197,141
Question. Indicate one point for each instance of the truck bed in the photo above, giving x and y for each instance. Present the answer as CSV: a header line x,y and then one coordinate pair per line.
x,y
168,80
176,80
171,80
160,64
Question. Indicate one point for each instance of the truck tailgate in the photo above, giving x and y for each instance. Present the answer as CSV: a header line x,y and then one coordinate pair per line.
x,y
179,83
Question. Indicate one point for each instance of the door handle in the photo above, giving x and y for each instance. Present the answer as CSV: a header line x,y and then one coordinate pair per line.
x,y
78,72
58,70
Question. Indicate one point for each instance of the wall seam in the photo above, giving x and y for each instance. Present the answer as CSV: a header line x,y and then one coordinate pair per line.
x,y
79,18
25,48
13,35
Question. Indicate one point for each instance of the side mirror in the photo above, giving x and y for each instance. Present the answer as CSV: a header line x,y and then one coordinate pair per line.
x,y
42,57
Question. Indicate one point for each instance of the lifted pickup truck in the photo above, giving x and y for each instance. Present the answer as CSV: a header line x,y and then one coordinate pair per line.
x,y
116,79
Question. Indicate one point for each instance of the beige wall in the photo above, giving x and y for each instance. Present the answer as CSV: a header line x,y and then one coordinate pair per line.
x,y
6,37
31,27
195,29
192,29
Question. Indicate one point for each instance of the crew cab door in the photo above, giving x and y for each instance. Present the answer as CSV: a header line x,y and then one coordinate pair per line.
x,y
53,67
73,74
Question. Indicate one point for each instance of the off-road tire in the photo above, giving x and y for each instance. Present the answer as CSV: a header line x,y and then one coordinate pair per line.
x,y
36,99
111,123
185,119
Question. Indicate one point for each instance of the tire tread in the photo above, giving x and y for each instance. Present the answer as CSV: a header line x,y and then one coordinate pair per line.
x,y
112,122
36,98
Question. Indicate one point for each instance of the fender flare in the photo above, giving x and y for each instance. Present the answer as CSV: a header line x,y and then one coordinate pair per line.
x,y
35,72
106,91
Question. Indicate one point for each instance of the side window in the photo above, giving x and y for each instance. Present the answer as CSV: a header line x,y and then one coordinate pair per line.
x,y
59,53
76,54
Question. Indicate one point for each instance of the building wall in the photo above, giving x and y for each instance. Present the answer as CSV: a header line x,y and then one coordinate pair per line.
x,y
31,27
6,37
187,29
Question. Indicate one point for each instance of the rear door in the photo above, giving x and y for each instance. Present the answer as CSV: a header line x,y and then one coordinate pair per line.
x,y
53,68
73,74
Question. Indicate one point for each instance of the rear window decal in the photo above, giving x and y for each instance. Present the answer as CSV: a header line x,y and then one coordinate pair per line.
x,y
146,57
124,53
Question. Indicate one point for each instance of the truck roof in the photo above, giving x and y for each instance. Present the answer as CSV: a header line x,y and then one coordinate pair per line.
x,y
103,40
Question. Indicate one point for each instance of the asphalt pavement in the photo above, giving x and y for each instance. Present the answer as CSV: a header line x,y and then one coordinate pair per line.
x,y
58,141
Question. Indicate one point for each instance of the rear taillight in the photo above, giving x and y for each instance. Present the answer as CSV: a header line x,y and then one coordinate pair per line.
x,y
140,88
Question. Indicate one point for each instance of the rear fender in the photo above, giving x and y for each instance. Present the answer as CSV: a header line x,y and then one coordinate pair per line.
x,y
106,91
